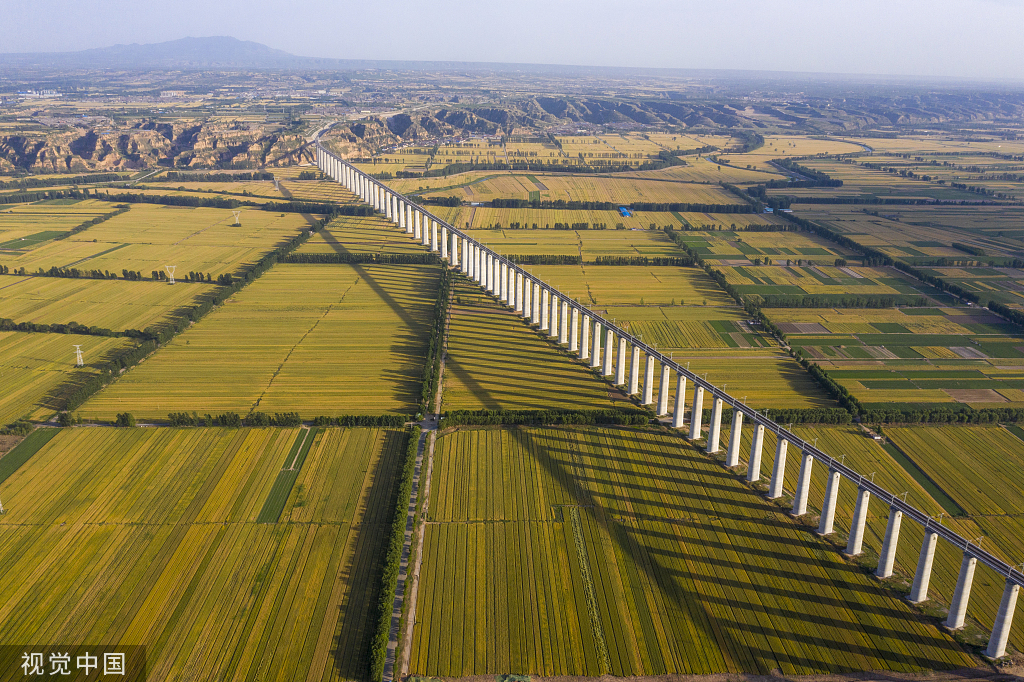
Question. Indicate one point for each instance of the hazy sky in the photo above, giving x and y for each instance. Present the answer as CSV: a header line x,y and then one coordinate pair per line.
x,y
961,38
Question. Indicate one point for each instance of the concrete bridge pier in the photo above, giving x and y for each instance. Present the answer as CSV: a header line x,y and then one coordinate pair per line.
x,y
585,338
536,301
962,593
923,575
803,485
620,365
563,323
715,427
403,222
648,397
595,353
732,455
887,556
609,339
574,334
696,411
779,469
677,414
855,543
527,298
545,317
663,389
756,446
555,300
443,242
634,371
1004,619
828,510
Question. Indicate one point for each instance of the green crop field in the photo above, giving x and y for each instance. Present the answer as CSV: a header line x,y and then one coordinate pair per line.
x,y
109,304
37,369
152,537
314,339
495,361
589,552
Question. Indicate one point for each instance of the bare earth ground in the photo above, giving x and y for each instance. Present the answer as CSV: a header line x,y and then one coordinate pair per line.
x,y
7,443
1010,669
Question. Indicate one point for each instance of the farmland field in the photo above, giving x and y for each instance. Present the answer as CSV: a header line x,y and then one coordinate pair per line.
x,y
630,285
818,278
551,552
933,356
314,339
623,190
25,226
914,233
980,468
591,244
361,234
35,370
497,362
866,455
153,537
109,304
148,237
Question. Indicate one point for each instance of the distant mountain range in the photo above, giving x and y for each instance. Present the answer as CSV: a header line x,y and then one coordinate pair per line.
x,y
225,52
218,52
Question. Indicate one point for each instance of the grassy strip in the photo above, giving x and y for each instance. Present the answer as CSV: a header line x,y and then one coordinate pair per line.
x,y
21,453
273,506
277,497
1015,430
944,500
393,558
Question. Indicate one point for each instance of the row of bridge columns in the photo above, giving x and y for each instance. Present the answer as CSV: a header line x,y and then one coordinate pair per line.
x,y
606,350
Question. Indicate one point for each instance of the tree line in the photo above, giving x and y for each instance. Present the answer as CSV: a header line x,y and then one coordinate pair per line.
x,y
179,176
401,494
374,258
625,416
